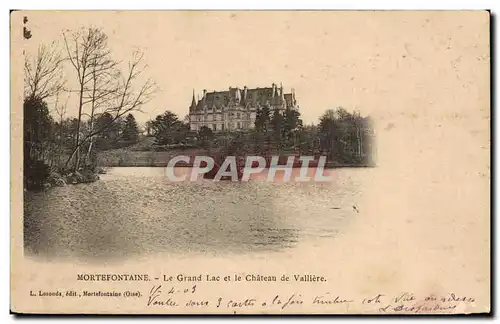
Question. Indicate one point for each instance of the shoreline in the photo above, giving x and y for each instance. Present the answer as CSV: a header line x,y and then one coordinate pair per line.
x,y
149,158
190,165
89,176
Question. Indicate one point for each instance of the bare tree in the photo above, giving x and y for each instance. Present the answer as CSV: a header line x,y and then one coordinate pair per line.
x,y
43,75
148,126
101,85
88,52
60,111
104,90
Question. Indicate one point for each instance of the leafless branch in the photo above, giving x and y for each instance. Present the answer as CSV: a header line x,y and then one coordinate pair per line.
x,y
101,86
43,75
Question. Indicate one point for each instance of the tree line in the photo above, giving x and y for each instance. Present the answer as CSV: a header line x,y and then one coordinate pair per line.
x,y
344,137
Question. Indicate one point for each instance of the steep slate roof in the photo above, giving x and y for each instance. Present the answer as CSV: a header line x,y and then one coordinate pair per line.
x,y
217,99
261,96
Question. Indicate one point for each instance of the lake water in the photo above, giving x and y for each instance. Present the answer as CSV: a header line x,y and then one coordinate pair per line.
x,y
134,212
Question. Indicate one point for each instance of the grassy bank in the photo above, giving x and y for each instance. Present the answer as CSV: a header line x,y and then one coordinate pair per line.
x,y
131,158
146,154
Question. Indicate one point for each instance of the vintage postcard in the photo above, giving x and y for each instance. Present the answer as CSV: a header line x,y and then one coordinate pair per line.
x,y
250,162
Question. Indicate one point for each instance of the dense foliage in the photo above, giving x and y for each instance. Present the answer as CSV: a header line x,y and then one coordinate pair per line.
x,y
345,138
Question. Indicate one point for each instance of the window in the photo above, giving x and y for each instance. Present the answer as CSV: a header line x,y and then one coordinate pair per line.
x,y
238,125
214,127
222,127
238,115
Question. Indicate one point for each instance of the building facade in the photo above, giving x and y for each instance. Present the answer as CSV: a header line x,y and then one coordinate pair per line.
x,y
236,109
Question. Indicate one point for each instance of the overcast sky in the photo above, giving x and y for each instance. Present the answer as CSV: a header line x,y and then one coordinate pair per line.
x,y
373,62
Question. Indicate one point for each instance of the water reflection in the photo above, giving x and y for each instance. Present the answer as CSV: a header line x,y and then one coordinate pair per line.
x,y
135,211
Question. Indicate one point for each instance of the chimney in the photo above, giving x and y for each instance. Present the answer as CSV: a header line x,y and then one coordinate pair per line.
x,y
237,95
245,90
274,90
203,99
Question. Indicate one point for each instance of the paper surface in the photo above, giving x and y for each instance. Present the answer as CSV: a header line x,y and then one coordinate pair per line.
x,y
408,236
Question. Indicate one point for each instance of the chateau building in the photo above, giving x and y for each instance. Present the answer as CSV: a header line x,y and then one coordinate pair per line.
x,y
236,108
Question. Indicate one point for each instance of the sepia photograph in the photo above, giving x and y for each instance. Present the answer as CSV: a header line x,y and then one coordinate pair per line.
x,y
99,134
250,162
